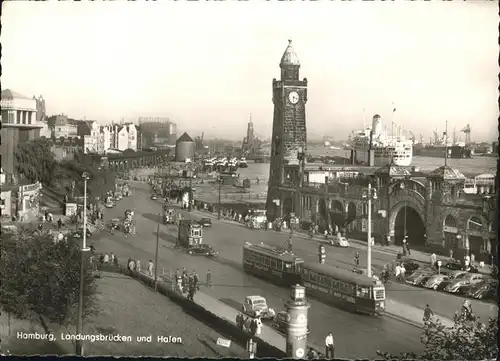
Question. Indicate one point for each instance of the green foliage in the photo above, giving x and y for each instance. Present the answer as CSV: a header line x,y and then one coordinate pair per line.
x,y
40,279
467,339
35,160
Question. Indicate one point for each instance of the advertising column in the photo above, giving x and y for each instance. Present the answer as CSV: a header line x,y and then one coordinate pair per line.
x,y
296,339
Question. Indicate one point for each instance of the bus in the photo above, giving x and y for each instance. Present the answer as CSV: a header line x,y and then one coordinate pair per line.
x,y
276,265
343,288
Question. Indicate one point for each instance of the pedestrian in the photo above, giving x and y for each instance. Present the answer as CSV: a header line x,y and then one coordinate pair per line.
x,y
40,226
403,271
138,266
397,271
116,261
60,237
112,257
329,346
408,247
150,268
209,279
196,280
253,327
427,313
404,246
239,321
356,259
433,259
426,244
258,328
59,224
466,261
106,258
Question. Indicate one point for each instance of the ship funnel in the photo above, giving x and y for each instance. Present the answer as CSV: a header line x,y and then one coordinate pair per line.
x,y
376,125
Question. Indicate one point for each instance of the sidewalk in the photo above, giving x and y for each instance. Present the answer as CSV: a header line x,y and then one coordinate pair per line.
x,y
410,314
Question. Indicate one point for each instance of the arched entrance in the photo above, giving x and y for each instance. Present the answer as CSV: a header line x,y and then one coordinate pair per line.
x,y
475,239
451,239
408,222
337,214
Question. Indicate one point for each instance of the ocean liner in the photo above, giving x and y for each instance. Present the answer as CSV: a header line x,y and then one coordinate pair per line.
x,y
385,148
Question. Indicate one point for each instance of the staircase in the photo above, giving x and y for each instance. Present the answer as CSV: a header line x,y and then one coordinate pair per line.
x,y
53,201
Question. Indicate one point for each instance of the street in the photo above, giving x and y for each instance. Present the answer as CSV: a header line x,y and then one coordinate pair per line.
x,y
356,335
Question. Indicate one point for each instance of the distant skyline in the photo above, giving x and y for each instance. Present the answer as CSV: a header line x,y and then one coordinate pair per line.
x,y
208,65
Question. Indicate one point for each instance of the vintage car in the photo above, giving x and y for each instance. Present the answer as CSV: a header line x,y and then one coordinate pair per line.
x,y
339,241
281,322
435,282
153,197
419,277
118,196
205,222
202,250
465,283
485,291
256,306
109,204
456,265
115,224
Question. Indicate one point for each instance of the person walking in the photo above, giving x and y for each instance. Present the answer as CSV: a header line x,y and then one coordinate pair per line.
x,y
138,266
356,259
408,247
427,313
59,224
239,321
329,346
404,245
106,258
112,258
433,259
258,328
150,268
209,278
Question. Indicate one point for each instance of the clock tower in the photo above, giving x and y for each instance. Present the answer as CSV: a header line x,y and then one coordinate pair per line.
x,y
289,139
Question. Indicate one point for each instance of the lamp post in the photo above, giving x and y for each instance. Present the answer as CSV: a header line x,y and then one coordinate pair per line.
x,y
190,192
370,194
220,186
79,320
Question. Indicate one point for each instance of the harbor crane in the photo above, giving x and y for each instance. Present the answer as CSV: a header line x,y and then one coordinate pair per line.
x,y
466,130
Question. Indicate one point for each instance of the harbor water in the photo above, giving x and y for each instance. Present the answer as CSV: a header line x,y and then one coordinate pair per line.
x,y
469,167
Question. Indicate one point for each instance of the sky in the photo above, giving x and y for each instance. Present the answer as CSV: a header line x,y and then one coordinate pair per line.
x,y
208,65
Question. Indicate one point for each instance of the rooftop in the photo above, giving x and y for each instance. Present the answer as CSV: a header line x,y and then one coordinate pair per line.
x,y
9,94
446,172
289,57
185,138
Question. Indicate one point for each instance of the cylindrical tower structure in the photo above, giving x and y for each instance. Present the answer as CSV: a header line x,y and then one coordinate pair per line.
x,y
184,148
296,339
377,127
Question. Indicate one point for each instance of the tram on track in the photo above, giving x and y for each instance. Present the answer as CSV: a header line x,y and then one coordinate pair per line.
x,y
343,288
274,264
328,284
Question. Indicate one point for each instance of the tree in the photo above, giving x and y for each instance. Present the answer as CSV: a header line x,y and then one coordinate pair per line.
x,y
467,339
40,278
35,160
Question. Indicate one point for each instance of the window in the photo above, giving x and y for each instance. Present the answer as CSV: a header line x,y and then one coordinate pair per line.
x,y
280,265
313,277
274,263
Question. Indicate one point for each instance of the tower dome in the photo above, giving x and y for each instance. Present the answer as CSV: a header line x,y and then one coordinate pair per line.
x,y
289,56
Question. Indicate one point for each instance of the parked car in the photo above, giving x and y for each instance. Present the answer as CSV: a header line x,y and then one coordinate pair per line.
x,y
281,322
205,222
463,284
485,291
418,277
339,241
109,204
154,197
256,306
202,250
410,266
436,281
79,233
456,265
452,276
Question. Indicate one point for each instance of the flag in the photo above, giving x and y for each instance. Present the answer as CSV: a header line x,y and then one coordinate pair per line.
x,y
394,110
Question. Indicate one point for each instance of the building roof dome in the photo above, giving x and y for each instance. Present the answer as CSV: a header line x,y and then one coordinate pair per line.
x,y
9,94
289,56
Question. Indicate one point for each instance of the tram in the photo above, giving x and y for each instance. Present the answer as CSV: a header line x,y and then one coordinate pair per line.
x,y
343,288
274,264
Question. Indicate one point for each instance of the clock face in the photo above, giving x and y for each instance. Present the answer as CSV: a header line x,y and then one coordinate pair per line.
x,y
293,97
